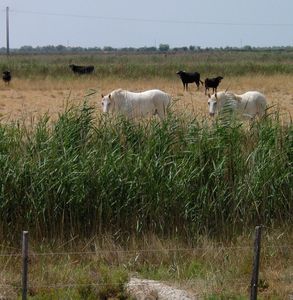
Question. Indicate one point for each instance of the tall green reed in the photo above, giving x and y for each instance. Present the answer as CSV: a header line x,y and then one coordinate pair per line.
x,y
86,175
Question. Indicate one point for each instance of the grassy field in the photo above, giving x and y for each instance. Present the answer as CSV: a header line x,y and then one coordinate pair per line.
x,y
79,181
145,66
44,83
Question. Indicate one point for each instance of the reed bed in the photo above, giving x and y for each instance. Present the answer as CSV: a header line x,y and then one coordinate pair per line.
x,y
85,174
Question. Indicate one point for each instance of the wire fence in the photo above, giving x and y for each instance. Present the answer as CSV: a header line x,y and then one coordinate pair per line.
x,y
93,284
138,251
26,257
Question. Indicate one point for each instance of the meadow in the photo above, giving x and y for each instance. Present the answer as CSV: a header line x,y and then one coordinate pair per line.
x,y
74,177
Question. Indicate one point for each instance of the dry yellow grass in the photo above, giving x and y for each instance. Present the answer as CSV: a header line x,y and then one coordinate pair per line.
x,y
26,99
208,268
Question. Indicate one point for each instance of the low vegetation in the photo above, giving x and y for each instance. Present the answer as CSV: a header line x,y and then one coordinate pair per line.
x,y
142,65
100,267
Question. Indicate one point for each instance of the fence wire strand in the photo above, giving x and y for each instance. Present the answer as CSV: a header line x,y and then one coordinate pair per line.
x,y
144,282
137,251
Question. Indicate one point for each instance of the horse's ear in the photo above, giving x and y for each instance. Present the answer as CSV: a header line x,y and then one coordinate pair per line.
x,y
209,95
102,95
216,96
109,96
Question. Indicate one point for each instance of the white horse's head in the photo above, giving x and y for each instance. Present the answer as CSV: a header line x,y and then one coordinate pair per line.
x,y
220,101
107,102
212,103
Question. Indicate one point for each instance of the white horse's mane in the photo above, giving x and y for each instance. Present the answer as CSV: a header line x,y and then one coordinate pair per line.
x,y
117,95
229,95
116,92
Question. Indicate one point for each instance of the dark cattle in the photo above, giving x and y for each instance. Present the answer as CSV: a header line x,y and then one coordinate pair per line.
x,y
82,69
189,78
212,83
6,76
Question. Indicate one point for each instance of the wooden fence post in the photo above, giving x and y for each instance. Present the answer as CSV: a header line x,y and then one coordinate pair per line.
x,y
24,264
256,257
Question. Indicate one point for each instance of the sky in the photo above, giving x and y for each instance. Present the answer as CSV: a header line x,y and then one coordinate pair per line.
x,y
137,23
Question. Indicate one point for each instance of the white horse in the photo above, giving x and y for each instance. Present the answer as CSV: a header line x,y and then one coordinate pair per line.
x,y
248,104
134,105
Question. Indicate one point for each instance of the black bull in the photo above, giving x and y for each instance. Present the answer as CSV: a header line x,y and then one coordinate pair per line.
x,y
82,69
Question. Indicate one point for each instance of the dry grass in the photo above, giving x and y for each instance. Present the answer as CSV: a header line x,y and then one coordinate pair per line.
x,y
27,99
207,268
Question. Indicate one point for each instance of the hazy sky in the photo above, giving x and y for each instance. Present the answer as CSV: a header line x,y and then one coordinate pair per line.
x,y
137,23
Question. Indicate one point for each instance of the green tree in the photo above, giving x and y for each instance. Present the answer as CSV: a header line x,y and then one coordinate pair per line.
x,y
164,47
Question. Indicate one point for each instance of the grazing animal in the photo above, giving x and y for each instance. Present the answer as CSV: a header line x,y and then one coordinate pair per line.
x,y
81,69
212,83
189,78
248,104
6,76
134,105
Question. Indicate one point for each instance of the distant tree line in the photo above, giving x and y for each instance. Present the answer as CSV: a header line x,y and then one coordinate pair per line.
x,y
162,48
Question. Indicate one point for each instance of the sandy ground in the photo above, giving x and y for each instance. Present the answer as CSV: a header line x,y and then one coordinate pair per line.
x,y
26,100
